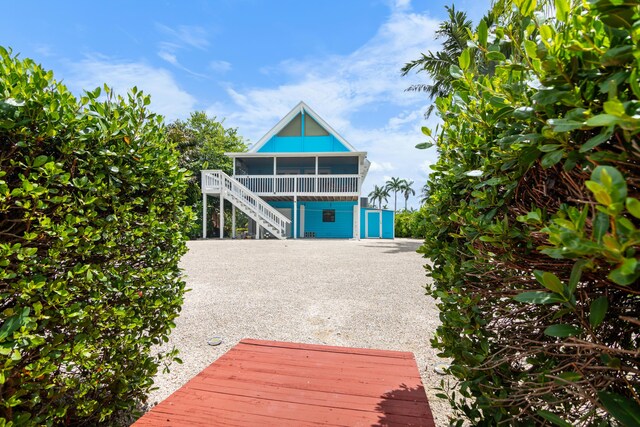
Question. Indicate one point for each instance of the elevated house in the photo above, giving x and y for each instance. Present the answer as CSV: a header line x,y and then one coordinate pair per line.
x,y
300,180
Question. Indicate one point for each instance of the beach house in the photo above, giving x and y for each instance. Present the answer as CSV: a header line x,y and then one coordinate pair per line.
x,y
300,180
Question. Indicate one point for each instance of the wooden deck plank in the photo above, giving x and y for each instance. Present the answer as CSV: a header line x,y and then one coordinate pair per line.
x,y
327,348
286,412
289,384
371,374
319,370
383,357
359,388
301,356
324,399
298,385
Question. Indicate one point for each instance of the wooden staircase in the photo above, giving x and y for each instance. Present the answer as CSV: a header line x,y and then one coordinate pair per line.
x,y
217,182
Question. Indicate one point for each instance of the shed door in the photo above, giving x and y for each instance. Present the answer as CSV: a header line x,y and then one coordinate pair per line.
x,y
373,224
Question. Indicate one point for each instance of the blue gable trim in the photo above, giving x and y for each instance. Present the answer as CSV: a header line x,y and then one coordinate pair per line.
x,y
303,144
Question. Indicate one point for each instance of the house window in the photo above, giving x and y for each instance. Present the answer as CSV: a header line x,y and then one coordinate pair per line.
x,y
328,215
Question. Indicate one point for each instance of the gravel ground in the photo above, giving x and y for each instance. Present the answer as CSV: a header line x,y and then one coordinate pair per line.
x,y
366,293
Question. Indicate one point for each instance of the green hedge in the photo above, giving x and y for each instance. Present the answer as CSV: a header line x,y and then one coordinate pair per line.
x,y
91,231
533,217
410,223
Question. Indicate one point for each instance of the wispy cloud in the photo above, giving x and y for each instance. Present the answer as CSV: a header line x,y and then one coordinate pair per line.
x,y
349,92
381,167
44,50
186,35
167,98
220,66
180,38
169,57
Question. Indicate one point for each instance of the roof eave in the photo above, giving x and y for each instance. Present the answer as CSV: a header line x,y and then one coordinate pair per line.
x,y
300,154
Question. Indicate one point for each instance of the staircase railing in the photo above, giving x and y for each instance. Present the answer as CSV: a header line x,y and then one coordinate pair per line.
x,y
214,181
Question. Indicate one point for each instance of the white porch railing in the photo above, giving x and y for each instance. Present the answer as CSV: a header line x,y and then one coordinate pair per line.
x,y
289,185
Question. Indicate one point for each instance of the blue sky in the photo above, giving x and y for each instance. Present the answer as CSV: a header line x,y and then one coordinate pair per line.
x,y
251,61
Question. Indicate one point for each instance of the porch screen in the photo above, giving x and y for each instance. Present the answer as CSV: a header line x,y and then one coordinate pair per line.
x,y
254,166
338,165
295,166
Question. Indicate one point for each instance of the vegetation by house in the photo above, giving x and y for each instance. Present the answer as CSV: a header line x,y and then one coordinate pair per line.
x,y
411,223
532,214
202,142
378,194
92,222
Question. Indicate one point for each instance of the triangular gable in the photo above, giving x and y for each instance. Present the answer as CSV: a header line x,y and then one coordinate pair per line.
x,y
289,123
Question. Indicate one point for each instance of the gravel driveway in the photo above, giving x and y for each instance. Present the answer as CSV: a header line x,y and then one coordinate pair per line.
x,y
366,293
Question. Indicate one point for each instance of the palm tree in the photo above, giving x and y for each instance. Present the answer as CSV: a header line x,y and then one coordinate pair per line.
x,y
395,185
455,33
407,191
424,193
379,194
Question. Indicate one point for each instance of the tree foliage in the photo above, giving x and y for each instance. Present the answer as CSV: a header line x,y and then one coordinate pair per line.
x,y
91,226
455,34
379,194
396,185
533,216
202,142
411,223
407,191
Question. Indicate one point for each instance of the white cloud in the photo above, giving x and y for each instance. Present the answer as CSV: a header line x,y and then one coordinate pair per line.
x,y
220,66
403,4
354,94
169,57
167,98
426,166
44,50
405,117
182,37
189,35
381,166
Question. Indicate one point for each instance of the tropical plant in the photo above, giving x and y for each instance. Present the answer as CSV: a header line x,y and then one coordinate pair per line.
x,y
379,194
407,191
533,217
202,142
91,231
455,34
424,193
396,185
411,223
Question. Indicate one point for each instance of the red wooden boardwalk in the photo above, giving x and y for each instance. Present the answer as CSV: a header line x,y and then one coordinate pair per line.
x,y
269,383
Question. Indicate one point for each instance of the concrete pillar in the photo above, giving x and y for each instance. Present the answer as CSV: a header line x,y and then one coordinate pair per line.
x,y
233,221
356,221
221,214
295,217
204,215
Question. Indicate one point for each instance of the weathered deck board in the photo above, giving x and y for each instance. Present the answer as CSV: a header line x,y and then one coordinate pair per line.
x,y
270,383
